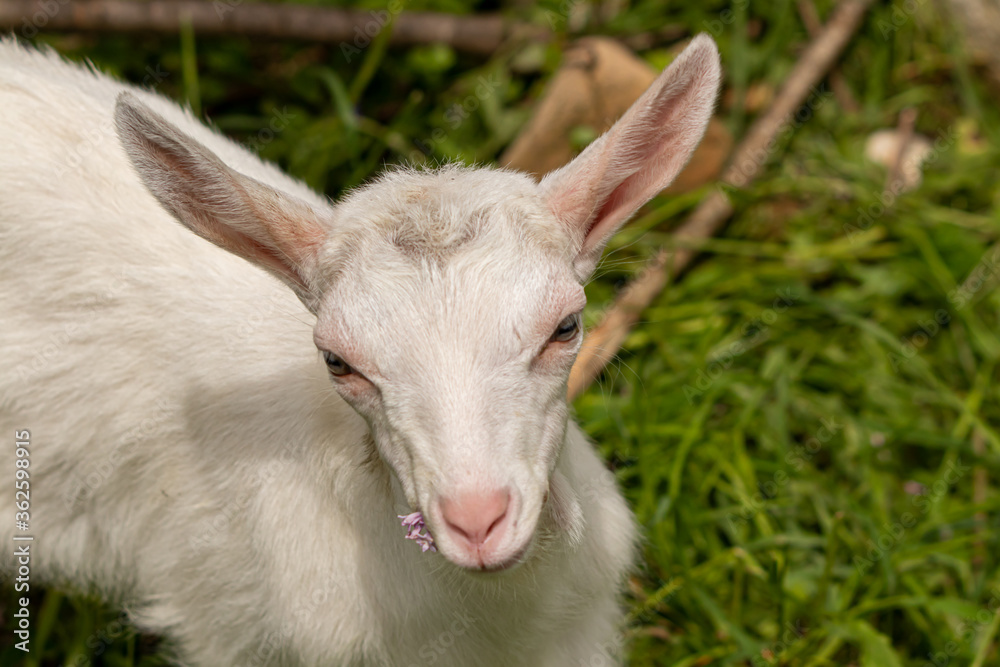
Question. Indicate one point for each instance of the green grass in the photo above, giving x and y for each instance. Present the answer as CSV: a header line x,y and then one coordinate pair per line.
x,y
806,423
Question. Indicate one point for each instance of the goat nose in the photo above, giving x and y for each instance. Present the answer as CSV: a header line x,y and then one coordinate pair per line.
x,y
477,515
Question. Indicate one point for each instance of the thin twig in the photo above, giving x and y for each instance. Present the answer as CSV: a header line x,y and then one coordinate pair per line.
x,y
478,34
838,84
603,342
904,135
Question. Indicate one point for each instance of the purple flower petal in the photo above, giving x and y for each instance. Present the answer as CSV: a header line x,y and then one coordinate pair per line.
x,y
414,524
412,519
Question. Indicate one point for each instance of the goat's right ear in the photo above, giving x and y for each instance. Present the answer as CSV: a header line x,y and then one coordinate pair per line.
x,y
638,157
244,216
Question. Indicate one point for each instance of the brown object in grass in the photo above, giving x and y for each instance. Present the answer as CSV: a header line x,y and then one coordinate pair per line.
x,y
598,81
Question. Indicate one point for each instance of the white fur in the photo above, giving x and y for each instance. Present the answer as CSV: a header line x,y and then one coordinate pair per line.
x,y
191,458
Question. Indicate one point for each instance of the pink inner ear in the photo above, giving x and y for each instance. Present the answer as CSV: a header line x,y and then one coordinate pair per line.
x,y
251,221
244,216
652,149
581,196
291,235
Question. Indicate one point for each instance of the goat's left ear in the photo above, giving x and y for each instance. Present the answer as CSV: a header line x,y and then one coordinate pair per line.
x,y
639,156
246,217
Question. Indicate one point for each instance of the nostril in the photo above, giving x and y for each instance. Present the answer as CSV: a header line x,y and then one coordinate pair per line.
x,y
496,522
476,516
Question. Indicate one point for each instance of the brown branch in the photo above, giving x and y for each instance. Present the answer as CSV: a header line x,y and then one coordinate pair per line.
x,y
603,342
481,34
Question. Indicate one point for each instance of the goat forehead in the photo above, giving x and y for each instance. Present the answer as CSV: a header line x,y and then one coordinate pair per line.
x,y
467,260
431,214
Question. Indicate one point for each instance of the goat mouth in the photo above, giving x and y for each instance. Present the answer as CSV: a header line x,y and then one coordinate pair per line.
x,y
517,559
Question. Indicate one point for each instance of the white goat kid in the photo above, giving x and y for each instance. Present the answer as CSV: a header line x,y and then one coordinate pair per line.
x,y
194,460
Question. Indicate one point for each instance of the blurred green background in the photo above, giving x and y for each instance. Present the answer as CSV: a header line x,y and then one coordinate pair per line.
x,y
806,421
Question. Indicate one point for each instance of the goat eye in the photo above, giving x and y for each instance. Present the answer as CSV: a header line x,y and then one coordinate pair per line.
x,y
567,329
336,365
